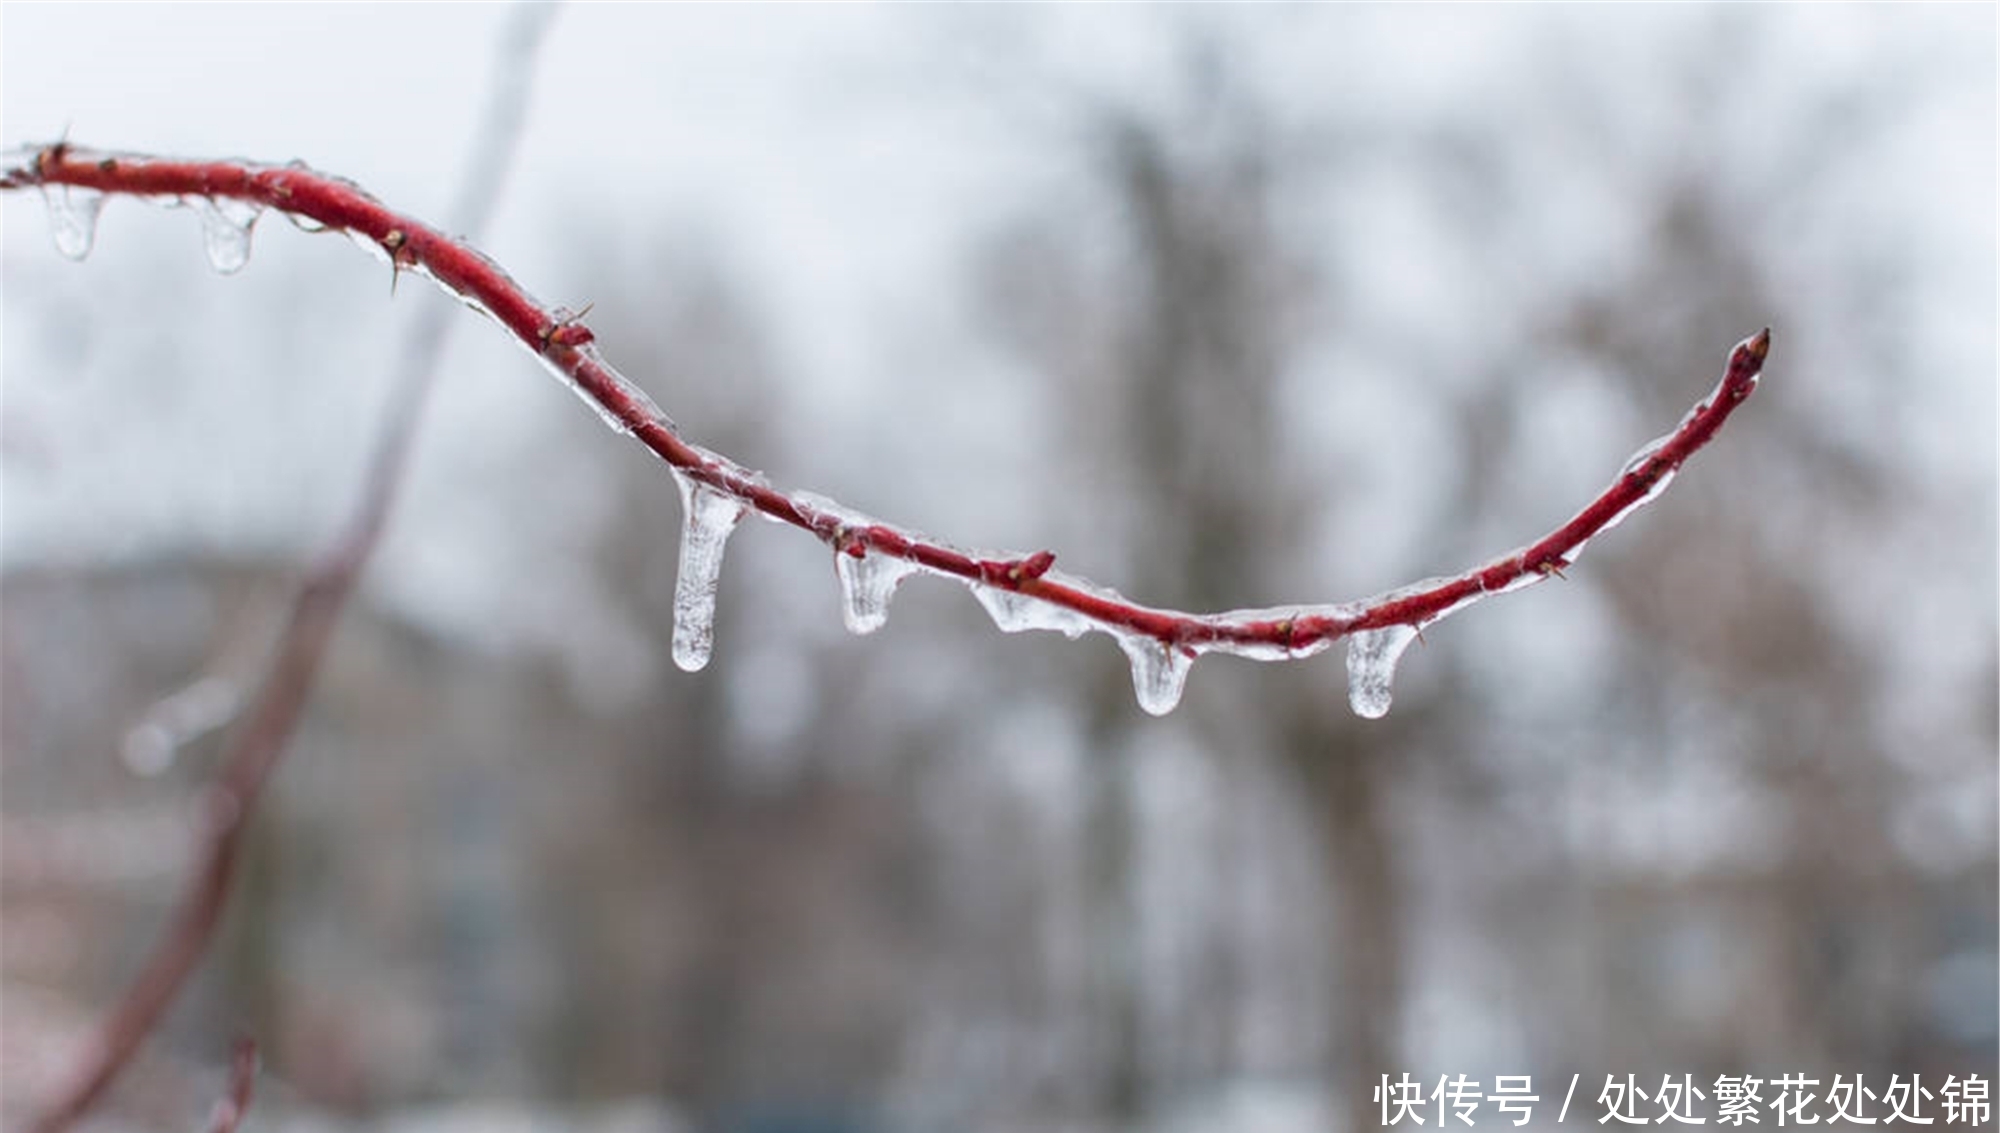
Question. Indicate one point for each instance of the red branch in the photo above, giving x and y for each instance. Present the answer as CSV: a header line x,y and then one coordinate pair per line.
x,y
251,752
565,345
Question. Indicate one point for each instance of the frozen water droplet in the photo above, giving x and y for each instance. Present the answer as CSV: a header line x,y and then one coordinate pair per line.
x,y
225,231
1015,612
1007,608
1159,671
708,518
1371,668
867,582
73,218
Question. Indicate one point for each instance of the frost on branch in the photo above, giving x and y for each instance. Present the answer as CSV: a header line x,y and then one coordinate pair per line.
x,y
871,558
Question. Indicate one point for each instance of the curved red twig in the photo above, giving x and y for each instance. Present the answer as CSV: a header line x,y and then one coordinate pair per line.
x,y
564,344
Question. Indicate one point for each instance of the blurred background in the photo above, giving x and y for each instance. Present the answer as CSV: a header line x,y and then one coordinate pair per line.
x,y
1229,307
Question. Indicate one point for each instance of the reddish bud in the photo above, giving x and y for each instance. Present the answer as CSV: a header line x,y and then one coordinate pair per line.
x,y
1034,566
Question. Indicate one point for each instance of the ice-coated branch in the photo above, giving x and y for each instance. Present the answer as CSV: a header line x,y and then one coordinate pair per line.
x,y
1020,591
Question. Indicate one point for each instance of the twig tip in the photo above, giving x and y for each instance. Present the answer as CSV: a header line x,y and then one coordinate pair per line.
x,y
1759,344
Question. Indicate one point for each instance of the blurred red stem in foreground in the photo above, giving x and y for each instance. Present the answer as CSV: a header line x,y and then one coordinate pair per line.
x,y
256,743
231,1108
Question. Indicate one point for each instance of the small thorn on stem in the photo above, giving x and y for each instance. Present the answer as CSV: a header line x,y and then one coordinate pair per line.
x,y
395,242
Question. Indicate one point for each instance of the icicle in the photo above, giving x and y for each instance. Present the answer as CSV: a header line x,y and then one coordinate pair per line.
x,y
709,516
73,218
1371,668
1159,671
867,582
225,231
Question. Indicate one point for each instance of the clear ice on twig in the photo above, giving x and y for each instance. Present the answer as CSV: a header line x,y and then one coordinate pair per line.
x,y
1015,612
867,582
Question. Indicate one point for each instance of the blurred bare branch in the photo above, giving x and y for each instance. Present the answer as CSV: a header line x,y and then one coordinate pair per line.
x,y
256,744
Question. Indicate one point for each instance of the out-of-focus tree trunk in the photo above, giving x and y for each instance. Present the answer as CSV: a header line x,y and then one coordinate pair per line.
x,y
1197,342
